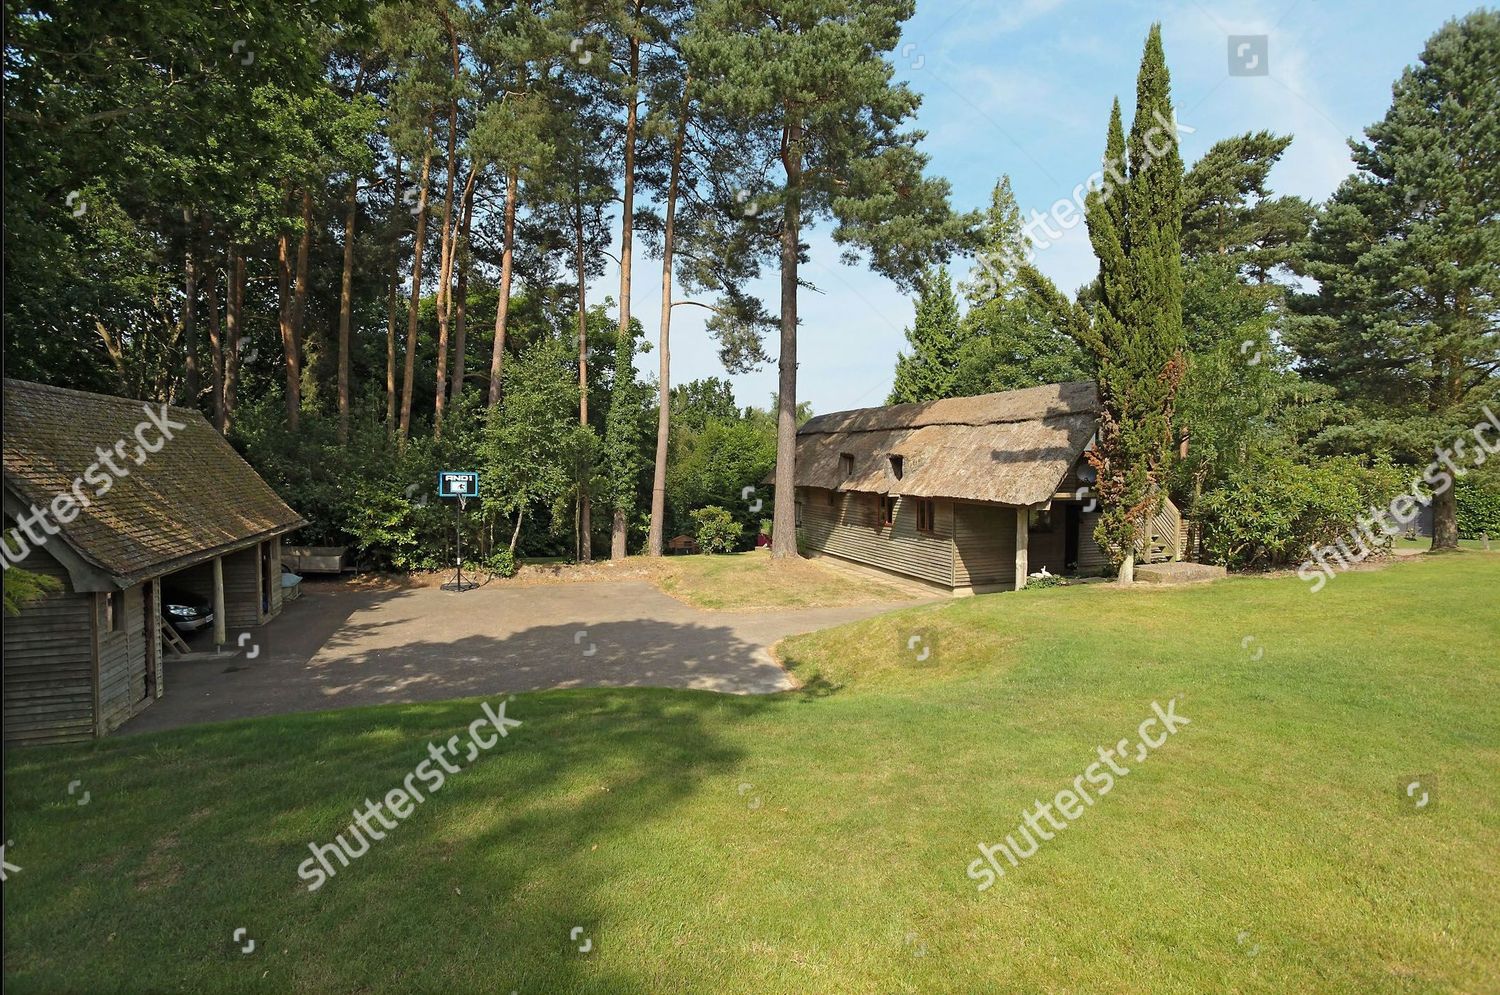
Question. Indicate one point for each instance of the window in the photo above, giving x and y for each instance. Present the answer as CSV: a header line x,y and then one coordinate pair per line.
x,y
926,515
113,607
846,463
833,499
898,466
885,507
1040,520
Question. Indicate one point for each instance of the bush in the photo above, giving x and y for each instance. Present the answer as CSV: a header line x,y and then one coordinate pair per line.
x,y
1272,508
1041,581
501,563
1478,508
716,530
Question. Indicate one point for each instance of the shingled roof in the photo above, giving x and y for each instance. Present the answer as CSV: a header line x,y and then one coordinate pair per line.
x,y
1013,447
192,500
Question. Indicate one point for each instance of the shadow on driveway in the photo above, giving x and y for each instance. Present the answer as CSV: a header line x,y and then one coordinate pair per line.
x,y
340,649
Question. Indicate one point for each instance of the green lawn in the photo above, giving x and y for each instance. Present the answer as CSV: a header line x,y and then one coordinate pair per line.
x,y
1426,544
817,841
753,581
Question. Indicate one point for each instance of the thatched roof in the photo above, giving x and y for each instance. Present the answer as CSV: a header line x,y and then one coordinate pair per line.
x,y
194,499
1014,447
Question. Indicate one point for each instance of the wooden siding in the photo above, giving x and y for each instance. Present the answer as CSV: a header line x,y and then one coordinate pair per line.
x,y
984,545
242,591
122,659
850,530
49,667
1091,558
275,578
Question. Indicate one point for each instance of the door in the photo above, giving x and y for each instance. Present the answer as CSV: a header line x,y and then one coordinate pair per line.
x,y
1071,526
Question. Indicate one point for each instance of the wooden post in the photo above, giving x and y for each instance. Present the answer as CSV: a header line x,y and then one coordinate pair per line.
x,y
221,633
1023,545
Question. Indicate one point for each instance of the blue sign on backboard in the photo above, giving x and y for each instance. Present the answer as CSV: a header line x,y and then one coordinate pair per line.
x,y
458,483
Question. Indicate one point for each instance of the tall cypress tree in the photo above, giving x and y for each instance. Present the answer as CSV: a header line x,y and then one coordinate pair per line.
x,y
1136,334
1405,324
926,373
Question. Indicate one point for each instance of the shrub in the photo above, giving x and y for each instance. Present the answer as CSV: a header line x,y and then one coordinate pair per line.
x,y
1272,508
1041,580
501,563
1478,508
716,530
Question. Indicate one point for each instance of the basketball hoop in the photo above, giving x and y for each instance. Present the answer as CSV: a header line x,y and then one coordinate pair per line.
x,y
460,484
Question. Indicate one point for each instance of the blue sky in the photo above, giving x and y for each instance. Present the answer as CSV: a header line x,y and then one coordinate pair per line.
x,y
1024,87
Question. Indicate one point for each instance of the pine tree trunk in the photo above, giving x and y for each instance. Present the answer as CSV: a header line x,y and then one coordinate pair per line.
x,y
289,348
585,544
445,275
390,311
502,306
409,373
784,528
654,541
299,297
232,332
618,531
346,307
1127,569
461,296
215,332
190,319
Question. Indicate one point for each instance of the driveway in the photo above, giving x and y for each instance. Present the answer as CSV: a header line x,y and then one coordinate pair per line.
x,y
337,648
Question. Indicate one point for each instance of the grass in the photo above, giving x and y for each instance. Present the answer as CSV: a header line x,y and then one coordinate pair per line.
x,y
753,581
1423,545
817,841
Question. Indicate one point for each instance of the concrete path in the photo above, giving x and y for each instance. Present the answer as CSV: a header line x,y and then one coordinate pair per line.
x,y
335,648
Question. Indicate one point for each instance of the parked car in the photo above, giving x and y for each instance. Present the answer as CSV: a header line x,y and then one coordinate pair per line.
x,y
185,611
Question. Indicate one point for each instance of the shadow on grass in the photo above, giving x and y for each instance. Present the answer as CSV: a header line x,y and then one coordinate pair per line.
x,y
194,833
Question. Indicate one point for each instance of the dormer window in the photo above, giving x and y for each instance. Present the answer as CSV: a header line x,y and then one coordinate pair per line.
x,y
846,464
898,465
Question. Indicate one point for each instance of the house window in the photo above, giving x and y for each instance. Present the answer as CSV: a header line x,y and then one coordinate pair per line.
x,y
926,515
846,463
113,606
1040,520
885,507
833,499
898,466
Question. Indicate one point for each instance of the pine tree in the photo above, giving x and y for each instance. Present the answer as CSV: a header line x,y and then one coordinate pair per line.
x,y
1406,321
808,85
927,372
623,435
1136,335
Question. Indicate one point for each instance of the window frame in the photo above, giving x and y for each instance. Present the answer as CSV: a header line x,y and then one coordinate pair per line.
x,y
112,608
846,464
1041,520
896,463
926,516
885,511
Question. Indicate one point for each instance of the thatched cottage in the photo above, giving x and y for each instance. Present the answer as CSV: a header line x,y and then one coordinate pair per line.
x,y
967,493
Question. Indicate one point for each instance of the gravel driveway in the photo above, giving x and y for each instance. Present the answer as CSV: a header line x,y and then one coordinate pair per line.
x,y
337,648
